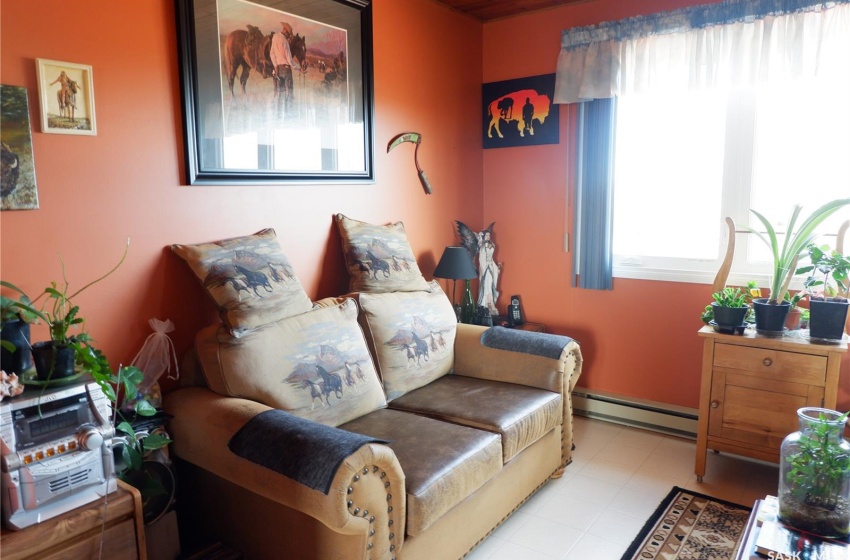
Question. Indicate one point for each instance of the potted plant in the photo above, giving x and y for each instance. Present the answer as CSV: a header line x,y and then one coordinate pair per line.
x,y
56,358
14,336
728,310
829,305
795,313
814,474
770,312
122,390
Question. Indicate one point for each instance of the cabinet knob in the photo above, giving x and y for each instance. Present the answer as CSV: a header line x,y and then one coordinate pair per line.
x,y
715,404
767,362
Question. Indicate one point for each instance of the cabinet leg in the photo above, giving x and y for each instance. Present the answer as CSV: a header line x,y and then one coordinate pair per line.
x,y
699,478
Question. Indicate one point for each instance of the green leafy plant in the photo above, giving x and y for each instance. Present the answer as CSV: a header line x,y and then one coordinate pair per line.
x,y
730,297
59,312
128,380
794,299
61,315
818,469
795,241
834,270
727,297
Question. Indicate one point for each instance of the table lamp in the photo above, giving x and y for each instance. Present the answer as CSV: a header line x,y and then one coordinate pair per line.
x,y
456,264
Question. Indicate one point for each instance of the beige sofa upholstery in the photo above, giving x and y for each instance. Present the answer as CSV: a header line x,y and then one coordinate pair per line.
x,y
463,452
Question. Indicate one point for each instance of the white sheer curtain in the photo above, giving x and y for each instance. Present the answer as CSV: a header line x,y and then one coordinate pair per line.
x,y
733,44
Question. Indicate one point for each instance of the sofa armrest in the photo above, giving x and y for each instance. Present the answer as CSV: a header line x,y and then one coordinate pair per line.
x,y
367,494
473,359
558,375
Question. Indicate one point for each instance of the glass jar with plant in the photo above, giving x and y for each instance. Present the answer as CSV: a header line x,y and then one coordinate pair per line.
x,y
829,270
814,474
771,311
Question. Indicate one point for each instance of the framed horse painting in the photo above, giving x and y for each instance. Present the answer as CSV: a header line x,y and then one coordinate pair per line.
x,y
276,91
66,95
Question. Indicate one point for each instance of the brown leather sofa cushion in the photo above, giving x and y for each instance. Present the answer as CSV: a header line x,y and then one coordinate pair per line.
x,y
443,463
522,415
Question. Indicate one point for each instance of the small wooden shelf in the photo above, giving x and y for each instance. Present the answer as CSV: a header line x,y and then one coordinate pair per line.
x,y
113,530
752,387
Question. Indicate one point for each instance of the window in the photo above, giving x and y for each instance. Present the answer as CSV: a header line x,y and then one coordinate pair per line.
x,y
683,162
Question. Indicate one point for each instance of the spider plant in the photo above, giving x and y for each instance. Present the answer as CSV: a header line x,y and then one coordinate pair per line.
x,y
794,243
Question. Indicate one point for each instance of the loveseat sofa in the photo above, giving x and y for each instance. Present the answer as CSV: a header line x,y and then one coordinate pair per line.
x,y
370,426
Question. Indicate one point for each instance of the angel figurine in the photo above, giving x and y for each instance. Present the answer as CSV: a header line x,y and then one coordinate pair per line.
x,y
481,248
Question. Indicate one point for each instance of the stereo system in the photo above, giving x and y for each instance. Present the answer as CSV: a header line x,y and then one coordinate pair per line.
x,y
56,446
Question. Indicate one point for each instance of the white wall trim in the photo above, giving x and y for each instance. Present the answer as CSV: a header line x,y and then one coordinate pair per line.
x,y
640,413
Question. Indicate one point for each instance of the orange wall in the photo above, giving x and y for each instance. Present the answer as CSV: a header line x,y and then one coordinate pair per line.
x,y
638,340
128,181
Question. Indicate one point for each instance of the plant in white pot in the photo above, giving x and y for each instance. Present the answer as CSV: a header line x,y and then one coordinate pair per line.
x,y
785,252
830,270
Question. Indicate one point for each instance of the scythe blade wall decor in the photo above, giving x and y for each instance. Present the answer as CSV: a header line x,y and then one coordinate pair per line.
x,y
415,138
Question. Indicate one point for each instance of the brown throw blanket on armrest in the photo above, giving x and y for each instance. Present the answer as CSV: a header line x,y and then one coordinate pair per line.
x,y
305,451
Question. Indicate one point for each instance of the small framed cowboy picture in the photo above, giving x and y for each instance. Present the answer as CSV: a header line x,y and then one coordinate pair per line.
x,y
66,94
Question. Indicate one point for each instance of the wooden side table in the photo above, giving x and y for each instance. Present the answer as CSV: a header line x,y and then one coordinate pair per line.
x,y
747,548
752,387
527,326
533,327
81,532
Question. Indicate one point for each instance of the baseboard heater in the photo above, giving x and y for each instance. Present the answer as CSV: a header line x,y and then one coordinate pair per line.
x,y
639,413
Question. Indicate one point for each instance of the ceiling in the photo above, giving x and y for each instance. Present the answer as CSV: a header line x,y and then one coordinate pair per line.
x,y
487,10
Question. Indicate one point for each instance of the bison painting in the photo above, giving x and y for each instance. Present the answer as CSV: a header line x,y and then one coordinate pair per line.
x,y
10,170
523,107
519,112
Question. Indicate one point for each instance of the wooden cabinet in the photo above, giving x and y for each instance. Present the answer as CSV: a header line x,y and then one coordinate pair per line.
x,y
80,533
752,387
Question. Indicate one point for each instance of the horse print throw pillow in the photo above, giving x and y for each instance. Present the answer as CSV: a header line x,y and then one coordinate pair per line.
x,y
249,278
413,336
315,365
379,258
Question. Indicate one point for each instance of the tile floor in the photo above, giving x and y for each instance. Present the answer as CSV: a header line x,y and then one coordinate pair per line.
x,y
618,477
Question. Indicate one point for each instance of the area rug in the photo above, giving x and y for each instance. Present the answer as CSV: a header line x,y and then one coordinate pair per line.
x,y
690,526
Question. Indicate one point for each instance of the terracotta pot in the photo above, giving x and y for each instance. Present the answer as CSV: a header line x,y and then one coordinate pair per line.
x,y
792,320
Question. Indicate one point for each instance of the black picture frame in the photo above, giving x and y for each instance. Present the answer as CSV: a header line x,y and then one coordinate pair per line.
x,y
320,129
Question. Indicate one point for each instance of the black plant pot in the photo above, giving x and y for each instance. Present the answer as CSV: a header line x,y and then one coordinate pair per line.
x,y
52,360
770,318
827,319
18,360
729,316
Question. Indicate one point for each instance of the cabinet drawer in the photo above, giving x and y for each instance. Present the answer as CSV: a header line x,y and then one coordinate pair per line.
x,y
784,366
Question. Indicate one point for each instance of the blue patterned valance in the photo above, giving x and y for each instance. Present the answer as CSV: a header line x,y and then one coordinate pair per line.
x,y
731,44
683,19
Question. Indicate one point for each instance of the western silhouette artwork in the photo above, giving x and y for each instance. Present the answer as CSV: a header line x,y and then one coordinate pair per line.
x,y
520,112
